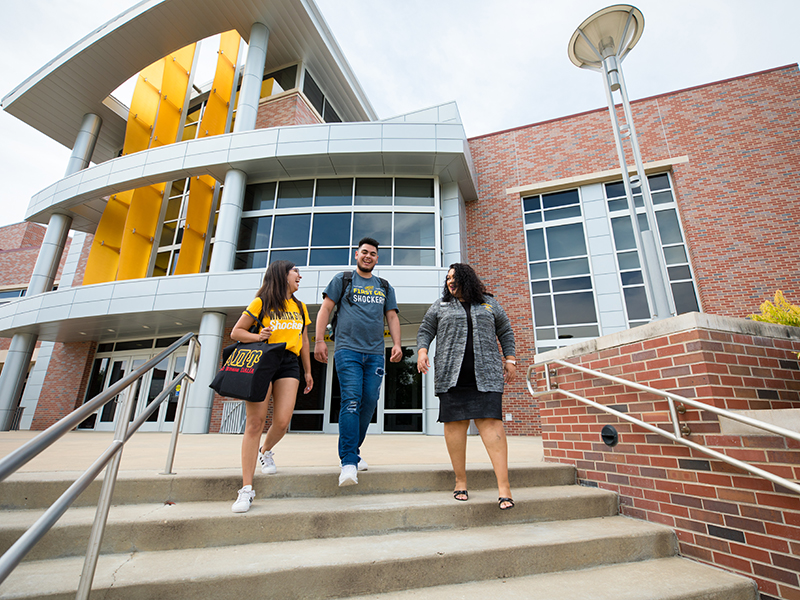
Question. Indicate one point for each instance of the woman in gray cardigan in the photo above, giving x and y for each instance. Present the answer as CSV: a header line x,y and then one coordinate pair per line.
x,y
470,372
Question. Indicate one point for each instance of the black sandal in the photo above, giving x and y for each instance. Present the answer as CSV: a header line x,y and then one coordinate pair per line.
x,y
500,503
458,493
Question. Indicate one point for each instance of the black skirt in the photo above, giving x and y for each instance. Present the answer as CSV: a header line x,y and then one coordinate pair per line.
x,y
462,403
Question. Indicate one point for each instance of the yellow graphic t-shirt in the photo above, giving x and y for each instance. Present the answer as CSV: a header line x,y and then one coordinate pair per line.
x,y
287,325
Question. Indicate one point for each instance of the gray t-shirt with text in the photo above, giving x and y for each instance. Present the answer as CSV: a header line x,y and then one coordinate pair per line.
x,y
360,323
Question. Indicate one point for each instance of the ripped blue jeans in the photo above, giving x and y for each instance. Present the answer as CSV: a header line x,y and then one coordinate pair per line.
x,y
360,378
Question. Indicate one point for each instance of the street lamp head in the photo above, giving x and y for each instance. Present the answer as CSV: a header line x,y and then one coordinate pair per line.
x,y
608,35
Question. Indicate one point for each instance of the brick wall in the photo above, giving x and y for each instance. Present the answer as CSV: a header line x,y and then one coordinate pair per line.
x,y
738,196
20,235
65,383
286,110
721,515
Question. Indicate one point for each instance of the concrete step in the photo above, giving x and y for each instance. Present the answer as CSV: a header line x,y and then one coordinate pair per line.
x,y
155,527
350,566
659,579
40,490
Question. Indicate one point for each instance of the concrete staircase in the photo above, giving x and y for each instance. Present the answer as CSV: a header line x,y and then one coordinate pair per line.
x,y
398,534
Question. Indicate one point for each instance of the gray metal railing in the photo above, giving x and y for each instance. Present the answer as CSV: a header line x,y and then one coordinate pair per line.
x,y
124,430
677,434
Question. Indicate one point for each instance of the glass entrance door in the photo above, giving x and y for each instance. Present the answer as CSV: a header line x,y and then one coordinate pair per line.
x,y
400,406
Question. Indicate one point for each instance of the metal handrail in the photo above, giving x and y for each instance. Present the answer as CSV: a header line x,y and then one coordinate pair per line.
x,y
676,435
124,430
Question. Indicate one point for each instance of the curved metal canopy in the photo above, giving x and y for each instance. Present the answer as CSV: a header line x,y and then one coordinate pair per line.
x,y
78,81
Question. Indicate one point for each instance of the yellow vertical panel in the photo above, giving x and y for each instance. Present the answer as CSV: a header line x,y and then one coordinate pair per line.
x,y
266,87
103,260
140,231
174,87
144,108
218,105
198,210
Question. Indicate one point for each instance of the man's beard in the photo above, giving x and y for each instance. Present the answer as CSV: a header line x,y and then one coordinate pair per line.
x,y
366,268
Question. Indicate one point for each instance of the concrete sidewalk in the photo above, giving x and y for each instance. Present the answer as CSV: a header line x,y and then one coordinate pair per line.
x,y
77,450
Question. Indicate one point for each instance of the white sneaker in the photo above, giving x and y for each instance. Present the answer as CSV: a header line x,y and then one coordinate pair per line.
x,y
362,464
349,475
267,462
245,499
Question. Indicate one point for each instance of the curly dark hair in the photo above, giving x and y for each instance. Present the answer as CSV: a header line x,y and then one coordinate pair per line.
x,y
274,288
472,289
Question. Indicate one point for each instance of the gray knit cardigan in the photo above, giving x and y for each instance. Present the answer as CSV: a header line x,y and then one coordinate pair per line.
x,y
447,322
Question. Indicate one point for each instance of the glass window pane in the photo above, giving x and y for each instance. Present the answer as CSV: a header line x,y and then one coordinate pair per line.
x,y
564,198
531,203
658,182
403,383
662,197
623,233
167,234
574,266
414,257
539,271
329,256
644,224
313,93
675,255
331,229
536,245
562,213
543,311
413,229
250,260
574,283
411,422
173,208
636,301
572,309
292,194
254,233
566,240
374,191
298,257
628,260
619,204
413,192
259,197
668,227
375,225
306,422
632,278
681,272
565,333
291,231
546,334
534,217
330,114
540,287
685,298
334,192
286,78
615,190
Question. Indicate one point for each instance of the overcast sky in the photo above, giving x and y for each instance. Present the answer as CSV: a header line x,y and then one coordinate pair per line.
x,y
504,62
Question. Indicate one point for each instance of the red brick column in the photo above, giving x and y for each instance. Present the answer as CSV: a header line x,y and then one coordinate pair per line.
x,y
65,382
721,515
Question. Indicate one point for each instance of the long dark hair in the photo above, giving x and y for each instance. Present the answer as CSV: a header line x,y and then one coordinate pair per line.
x,y
469,284
273,290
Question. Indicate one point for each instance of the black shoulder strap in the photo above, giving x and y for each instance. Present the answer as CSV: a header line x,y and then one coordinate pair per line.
x,y
347,282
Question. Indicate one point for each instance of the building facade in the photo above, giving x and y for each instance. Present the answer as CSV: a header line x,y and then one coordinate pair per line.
x,y
283,157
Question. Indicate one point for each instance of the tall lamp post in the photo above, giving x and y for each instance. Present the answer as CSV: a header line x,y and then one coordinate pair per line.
x,y
600,44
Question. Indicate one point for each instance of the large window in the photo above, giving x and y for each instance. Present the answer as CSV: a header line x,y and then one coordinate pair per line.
x,y
319,101
319,222
669,237
562,293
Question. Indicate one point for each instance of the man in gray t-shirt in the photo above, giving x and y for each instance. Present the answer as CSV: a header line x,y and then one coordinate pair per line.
x,y
358,350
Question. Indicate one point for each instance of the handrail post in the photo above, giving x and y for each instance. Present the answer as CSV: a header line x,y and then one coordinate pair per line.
x,y
673,414
190,368
104,503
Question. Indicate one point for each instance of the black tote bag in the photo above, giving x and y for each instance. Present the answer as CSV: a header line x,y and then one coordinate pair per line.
x,y
248,368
